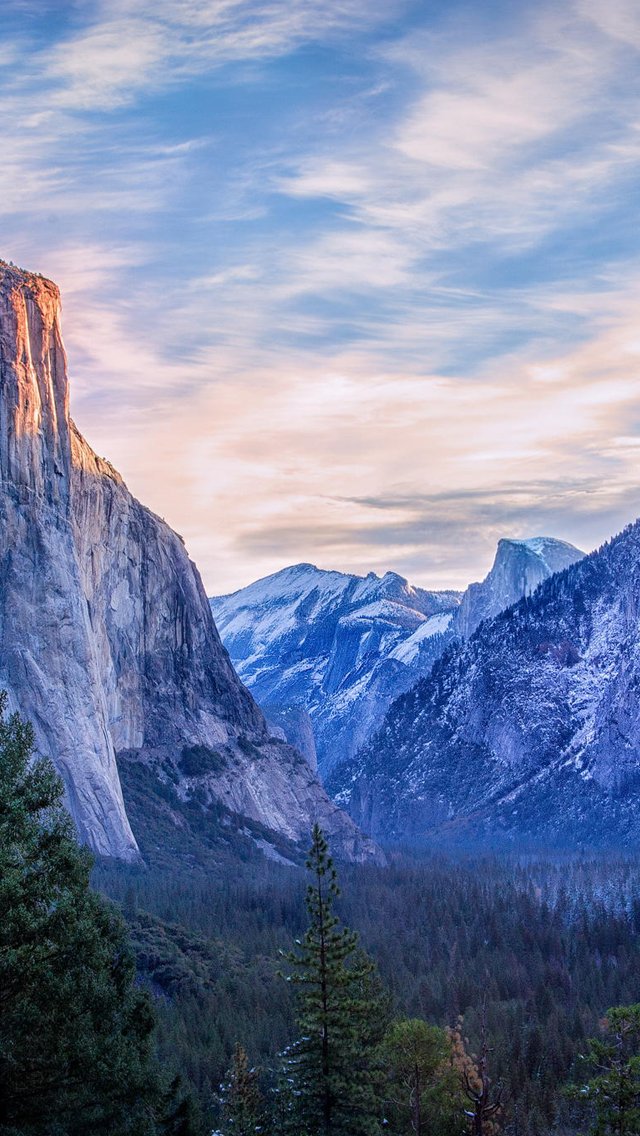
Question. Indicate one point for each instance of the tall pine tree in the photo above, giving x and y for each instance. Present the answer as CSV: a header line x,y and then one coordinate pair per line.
x,y
243,1105
76,1033
330,1075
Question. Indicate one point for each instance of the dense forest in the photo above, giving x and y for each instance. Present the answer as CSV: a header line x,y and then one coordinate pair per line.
x,y
546,947
459,997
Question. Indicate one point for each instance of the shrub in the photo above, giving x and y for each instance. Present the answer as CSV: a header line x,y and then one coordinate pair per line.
x,y
198,760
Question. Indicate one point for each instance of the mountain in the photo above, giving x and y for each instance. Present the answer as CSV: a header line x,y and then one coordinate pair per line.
x,y
340,646
294,725
528,731
345,647
518,568
107,642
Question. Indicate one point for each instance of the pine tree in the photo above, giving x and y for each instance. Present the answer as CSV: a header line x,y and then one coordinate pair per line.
x,y
484,1102
419,1081
76,1033
330,1075
243,1112
614,1090
179,1113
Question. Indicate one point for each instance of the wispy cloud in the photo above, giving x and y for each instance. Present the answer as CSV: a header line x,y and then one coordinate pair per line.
x,y
342,465
339,286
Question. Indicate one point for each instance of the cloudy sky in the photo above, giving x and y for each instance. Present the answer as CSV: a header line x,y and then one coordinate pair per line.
x,y
354,282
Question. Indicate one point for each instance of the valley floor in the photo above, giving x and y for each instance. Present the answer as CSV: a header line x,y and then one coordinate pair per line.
x,y
548,944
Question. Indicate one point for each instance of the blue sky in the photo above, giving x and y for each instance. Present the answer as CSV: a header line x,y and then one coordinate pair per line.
x,y
353,283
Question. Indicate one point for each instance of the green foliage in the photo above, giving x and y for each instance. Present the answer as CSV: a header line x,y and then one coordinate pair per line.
x,y
550,945
613,1090
209,993
76,1032
329,1076
244,1110
198,760
421,1089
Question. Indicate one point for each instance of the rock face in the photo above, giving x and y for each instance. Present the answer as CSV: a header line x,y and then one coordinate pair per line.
x,y
107,642
345,647
296,727
528,731
342,647
518,568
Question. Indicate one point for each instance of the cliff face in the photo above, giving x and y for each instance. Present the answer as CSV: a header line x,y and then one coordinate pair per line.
x,y
519,567
296,727
47,661
107,642
528,730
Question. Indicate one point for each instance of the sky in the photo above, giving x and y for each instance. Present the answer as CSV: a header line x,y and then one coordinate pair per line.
x,y
354,282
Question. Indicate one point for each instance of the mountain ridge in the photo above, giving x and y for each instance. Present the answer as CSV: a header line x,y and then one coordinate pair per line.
x,y
529,730
307,637
343,647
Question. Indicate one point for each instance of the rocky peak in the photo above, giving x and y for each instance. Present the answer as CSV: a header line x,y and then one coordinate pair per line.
x,y
107,642
518,568
528,730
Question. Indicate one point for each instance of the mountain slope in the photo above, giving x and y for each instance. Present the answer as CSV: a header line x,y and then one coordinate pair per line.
x,y
529,730
345,647
332,643
107,642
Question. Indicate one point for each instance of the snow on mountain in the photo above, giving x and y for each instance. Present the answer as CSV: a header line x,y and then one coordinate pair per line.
x,y
344,647
407,650
528,731
325,641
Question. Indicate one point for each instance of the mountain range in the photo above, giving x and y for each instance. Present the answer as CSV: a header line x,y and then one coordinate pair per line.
x,y
528,731
107,641
506,713
344,647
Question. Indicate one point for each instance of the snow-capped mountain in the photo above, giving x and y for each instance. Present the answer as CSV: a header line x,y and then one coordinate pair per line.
x,y
341,646
518,568
344,647
528,730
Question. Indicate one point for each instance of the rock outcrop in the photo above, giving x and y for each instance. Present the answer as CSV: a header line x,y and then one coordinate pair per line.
x,y
107,641
518,568
296,727
529,731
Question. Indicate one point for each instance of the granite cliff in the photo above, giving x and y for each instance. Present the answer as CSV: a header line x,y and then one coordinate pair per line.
x,y
519,566
107,642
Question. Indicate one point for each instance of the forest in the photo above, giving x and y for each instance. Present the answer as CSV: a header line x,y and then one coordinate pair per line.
x,y
545,947
457,996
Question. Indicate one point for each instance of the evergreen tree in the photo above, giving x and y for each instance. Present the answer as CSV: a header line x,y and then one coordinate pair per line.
x,y
76,1034
419,1080
243,1111
179,1112
330,1076
614,1090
